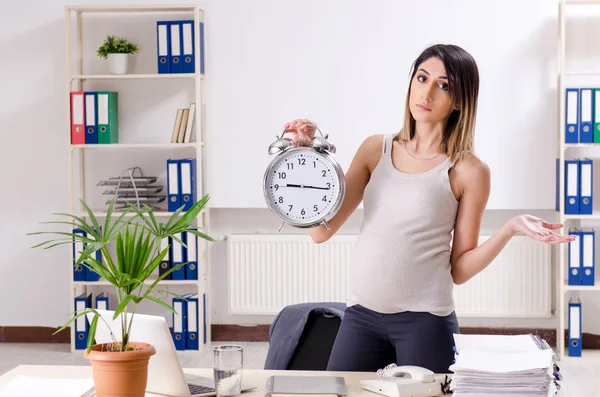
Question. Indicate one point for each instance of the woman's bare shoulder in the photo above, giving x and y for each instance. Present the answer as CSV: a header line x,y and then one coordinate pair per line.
x,y
371,149
471,170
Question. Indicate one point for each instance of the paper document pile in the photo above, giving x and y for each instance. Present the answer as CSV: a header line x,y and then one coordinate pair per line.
x,y
500,365
26,386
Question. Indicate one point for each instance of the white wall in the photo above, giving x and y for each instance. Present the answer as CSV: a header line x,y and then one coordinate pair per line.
x,y
35,131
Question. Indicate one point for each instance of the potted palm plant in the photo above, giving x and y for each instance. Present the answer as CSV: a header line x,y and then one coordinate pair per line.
x,y
121,368
117,50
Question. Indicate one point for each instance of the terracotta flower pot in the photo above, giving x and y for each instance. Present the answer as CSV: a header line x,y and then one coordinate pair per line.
x,y
123,374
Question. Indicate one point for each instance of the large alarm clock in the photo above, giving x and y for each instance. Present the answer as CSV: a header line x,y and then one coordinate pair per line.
x,y
304,185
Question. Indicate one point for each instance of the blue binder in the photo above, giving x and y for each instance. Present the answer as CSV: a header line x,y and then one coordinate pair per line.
x,y
178,256
179,323
187,46
575,329
192,322
588,250
102,301
187,187
191,256
586,186
175,42
173,185
79,271
574,258
586,121
572,115
82,325
201,34
572,186
204,316
91,117
163,46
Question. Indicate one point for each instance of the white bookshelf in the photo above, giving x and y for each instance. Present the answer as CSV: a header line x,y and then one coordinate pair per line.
x,y
563,288
76,78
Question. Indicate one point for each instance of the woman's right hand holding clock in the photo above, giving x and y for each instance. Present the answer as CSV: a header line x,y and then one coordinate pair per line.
x,y
301,131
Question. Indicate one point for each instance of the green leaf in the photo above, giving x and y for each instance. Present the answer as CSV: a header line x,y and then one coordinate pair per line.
x,y
122,305
161,277
92,332
75,317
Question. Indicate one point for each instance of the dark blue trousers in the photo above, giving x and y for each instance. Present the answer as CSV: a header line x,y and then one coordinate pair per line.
x,y
368,341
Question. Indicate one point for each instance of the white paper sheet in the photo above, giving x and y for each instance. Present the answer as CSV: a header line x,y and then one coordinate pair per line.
x,y
501,365
28,386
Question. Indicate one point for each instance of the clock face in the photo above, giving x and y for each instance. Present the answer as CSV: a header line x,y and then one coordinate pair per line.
x,y
303,186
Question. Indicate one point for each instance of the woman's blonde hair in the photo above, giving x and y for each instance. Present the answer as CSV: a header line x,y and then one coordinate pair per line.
x,y
463,81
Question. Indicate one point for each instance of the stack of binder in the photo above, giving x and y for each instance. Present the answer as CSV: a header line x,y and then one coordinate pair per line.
x,y
82,324
579,186
186,323
582,115
181,180
582,257
94,117
81,272
175,44
502,365
179,254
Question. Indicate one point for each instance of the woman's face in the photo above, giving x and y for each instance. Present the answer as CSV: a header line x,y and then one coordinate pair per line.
x,y
430,100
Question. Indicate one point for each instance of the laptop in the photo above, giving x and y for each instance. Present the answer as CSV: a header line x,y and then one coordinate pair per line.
x,y
165,374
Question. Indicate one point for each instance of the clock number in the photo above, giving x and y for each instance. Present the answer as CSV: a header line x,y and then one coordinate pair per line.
x,y
282,175
315,208
301,161
302,212
290,166
276,187
324,198
328,185
324,173
280,199
314,164
291,206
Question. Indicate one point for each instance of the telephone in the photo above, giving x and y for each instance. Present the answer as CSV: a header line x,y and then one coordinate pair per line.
x,y
404,381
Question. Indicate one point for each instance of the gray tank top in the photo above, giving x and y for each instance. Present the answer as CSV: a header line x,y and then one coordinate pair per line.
x,y
401,261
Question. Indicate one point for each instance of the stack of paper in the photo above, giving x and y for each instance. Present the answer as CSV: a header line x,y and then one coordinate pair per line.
x,y
496,365
22,386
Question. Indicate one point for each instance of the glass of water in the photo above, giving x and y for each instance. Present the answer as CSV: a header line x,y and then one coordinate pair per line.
x,y
228,363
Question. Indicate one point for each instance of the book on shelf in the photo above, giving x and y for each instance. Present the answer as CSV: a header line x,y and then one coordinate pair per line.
x,y
184,123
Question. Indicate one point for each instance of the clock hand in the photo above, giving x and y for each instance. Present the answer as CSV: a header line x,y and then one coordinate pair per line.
x,y
307,186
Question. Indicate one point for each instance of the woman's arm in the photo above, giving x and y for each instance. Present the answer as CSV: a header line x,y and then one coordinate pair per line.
x,y
467,257
357,177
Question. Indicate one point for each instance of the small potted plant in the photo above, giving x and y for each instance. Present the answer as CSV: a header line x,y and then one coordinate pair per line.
x,y
117,50
116,366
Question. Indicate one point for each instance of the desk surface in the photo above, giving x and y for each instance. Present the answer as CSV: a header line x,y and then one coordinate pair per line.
x,y
253,377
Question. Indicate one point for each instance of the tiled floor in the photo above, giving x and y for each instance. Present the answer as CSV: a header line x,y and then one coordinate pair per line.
x,y
581,376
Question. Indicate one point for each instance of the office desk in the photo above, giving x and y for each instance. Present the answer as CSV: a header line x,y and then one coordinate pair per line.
x,y
253,377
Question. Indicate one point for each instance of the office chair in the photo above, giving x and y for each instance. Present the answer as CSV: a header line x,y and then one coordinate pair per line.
x,y
316,342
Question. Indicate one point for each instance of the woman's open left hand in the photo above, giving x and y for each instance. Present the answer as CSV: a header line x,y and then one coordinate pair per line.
x,y
540,230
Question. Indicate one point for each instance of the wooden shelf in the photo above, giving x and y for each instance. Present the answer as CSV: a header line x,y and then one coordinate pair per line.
x,y
568,287
581,145
595,215
111,146
582,72
136,76
147,282
582,2
133,8
115,214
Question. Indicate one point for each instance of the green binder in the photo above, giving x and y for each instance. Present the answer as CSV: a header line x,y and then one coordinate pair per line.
x,y
596,115
108,117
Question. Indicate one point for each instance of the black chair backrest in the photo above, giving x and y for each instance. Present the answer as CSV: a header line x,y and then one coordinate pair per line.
x,y
316,342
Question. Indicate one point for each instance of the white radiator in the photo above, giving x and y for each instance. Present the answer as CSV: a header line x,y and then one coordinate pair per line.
x,y
269,271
